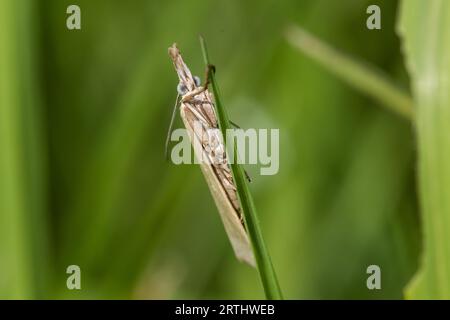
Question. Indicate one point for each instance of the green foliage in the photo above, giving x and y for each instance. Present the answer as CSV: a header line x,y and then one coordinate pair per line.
x,y
83,179
24,249
363,77
427,50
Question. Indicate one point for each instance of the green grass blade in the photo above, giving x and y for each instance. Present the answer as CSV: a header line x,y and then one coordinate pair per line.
x,y
362,76
23,223
262,257
14,253
424,27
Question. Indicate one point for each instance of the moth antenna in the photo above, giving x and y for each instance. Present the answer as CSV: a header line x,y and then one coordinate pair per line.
x,y
234,124
249,179
169,132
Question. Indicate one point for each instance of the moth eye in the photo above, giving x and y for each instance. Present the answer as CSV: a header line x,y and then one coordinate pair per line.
x,y
197,81
181,88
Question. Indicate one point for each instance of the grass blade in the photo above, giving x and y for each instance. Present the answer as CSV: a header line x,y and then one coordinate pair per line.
x,y
262,257
424,27
23,223
363,77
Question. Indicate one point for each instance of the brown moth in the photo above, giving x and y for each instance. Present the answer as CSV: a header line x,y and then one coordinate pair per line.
x,y
199,117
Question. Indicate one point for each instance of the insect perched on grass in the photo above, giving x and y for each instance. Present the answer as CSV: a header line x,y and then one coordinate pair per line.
x,y
199,117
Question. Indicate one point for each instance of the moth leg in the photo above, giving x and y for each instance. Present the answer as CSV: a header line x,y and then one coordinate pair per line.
x,y
193,100
189,97
249,179
210,68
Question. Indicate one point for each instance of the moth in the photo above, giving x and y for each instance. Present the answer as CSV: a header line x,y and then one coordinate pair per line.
x,y
199,117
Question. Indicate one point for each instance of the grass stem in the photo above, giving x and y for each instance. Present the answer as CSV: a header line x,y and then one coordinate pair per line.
x,y
266,271
362,76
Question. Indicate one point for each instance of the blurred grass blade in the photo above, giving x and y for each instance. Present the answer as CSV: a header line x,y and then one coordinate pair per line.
x,y
363,77
424,27
262,257
23,245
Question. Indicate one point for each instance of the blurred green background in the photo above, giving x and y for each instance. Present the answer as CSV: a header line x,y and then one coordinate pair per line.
x,y
85,182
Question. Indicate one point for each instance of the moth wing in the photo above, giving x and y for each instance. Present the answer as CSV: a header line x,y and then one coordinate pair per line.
x,y
233,226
